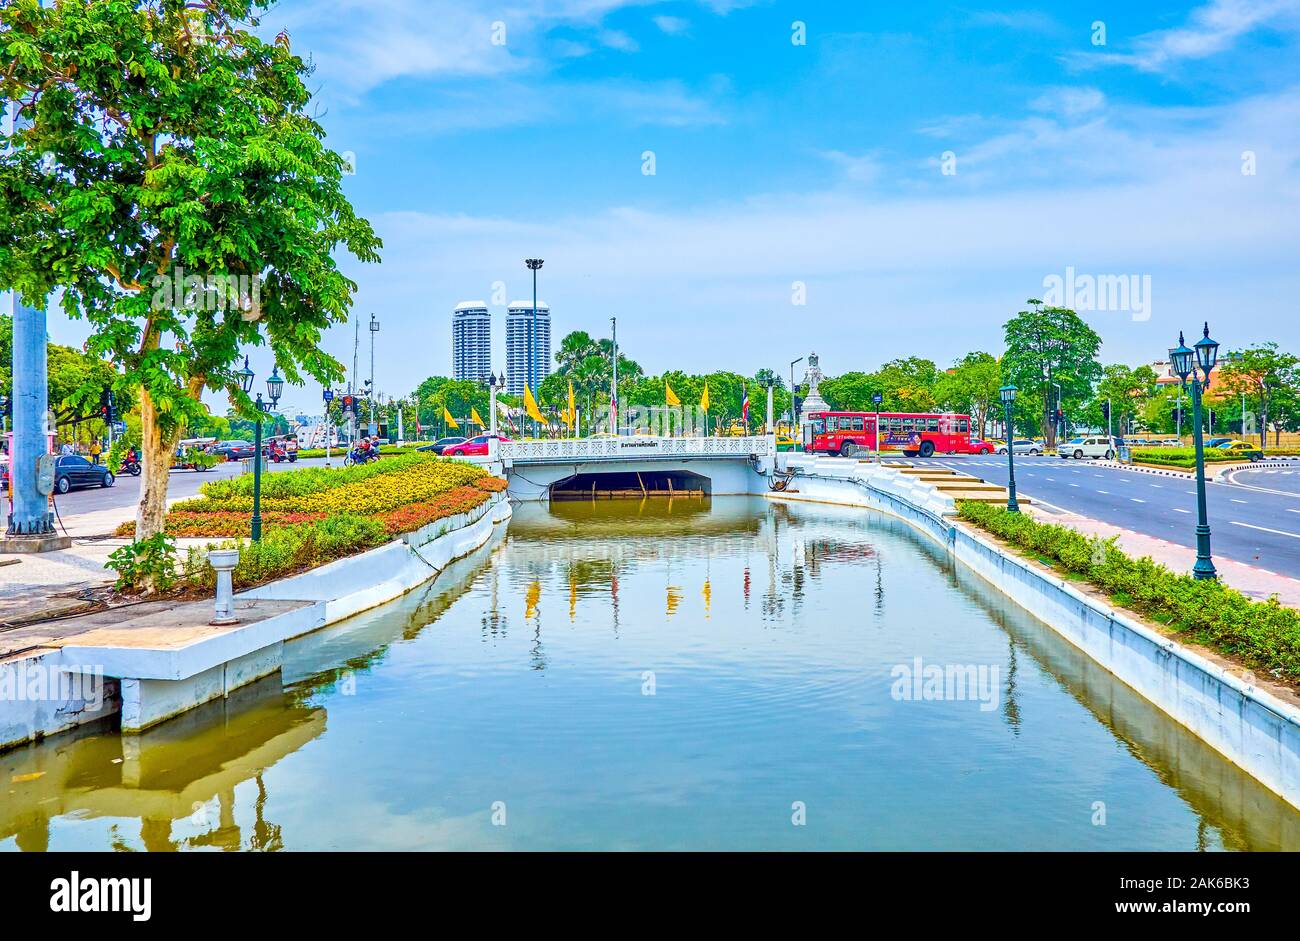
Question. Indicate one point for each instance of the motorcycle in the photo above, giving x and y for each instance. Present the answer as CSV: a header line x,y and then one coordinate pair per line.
x,y
129,467
357,456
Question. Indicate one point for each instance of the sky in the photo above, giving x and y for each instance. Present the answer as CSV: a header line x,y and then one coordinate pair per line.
x,y
863,180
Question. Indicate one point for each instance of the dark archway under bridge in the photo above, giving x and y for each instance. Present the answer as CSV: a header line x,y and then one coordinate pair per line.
x,y
667,482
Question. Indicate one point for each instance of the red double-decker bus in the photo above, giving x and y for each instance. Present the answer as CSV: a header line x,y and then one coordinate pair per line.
x,y
914,433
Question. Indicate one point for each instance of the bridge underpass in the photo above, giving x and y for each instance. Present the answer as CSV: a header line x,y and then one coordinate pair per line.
x,y
636,483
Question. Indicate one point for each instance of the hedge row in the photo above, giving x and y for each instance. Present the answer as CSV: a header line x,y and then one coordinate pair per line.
x,y
1262,634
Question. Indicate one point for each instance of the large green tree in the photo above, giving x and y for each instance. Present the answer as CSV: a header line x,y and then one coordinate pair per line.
x,y
971,386
171,180
1268,377
1047,347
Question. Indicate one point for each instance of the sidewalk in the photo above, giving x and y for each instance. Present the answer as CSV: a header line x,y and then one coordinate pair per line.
x,y
1250,580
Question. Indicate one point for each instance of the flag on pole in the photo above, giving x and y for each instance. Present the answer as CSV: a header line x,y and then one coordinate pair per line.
x,y
573,405
704,399
744,410
530,406
473,416
446,416
613,409
670,396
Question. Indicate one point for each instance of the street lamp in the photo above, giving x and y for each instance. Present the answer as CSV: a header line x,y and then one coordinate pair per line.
x,y
374,328
1193,367
1008,394
274,386
493,385
530,375
794,397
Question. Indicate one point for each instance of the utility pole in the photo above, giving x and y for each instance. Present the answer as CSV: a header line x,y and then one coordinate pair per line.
x,y
30,527
374,328
530,373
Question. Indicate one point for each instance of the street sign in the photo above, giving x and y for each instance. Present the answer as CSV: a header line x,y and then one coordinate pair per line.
x,y
328,395
877,398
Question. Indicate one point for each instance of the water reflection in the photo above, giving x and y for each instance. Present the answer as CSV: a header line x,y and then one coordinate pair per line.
x,y
769,631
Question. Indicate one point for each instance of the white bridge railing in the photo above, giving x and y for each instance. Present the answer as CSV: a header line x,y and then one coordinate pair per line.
x,y
632,448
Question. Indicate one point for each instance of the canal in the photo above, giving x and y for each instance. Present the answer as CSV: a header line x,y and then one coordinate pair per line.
x,y
689,673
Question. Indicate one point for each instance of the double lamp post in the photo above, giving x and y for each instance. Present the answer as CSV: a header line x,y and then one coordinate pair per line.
x,y
274,386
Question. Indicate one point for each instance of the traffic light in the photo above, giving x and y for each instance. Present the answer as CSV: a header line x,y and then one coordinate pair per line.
x,y
1105,410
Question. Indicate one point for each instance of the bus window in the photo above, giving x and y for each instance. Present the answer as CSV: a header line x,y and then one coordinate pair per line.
x,y
895,425
932,424
857,424
963,426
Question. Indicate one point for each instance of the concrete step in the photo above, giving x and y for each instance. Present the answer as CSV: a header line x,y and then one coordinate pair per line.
x,y
926,471
964,485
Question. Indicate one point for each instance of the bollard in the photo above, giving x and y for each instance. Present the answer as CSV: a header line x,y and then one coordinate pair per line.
x,y
223,562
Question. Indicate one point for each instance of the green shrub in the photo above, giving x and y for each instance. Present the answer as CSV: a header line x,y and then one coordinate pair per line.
x,y
1181,457
307,480
145,563
1263,634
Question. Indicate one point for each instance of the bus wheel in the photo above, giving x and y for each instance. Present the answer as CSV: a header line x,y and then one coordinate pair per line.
x,y
909,454
927,449
848,449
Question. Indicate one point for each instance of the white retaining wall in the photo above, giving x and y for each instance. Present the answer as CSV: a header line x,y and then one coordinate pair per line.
x,y
1250,726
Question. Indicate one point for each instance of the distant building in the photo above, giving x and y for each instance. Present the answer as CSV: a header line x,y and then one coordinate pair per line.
x,y
471,341
518,317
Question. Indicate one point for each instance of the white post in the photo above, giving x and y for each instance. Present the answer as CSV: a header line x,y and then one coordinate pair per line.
x,y
770,428
492,419
223,562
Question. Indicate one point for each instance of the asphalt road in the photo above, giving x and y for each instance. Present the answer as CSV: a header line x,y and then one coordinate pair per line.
x,y
1254,515
125,492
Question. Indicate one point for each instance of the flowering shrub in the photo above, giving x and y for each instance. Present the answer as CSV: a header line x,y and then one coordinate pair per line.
x,y
312,516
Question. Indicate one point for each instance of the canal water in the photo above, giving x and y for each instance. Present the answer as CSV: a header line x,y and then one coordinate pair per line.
x,y
725,673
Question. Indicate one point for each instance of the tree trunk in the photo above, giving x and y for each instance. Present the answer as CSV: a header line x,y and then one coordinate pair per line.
x,y
156,449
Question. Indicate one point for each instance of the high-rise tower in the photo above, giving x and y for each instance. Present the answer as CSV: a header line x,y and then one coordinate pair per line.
x,y
518,316
471,341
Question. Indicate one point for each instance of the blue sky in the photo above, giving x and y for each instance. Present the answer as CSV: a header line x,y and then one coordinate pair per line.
x,y
818,163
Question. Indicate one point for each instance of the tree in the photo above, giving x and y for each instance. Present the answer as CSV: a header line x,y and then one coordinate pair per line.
x,y
852,392
172,182
1266,375
908,384
971,386
1047,346
1126,389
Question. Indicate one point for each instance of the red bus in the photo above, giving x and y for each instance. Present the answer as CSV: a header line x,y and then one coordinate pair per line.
x,y
913,433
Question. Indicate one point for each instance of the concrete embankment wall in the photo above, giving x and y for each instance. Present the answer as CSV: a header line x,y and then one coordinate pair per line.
x,y
1250,726
47,691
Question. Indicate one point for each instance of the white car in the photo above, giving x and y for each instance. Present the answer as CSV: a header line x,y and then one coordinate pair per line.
x,y
1079,448
1022,446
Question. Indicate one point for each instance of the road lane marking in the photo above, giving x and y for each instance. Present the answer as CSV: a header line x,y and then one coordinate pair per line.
x,y
1235,500
1136,500
1179,509
1265,529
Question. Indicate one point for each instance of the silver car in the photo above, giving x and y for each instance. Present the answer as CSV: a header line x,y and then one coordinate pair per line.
x,y
1022,446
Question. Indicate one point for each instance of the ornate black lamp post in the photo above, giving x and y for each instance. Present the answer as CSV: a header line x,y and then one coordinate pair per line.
x,y
1193,367
1008,394
274,386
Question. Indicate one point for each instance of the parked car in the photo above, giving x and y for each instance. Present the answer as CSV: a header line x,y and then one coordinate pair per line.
x,y
1093,447
1171,443
1247,451
4,471
222,449
72,470
240,451
1022,446
1217,442
476,446
441,445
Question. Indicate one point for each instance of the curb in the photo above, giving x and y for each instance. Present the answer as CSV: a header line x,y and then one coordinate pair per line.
x,y
1189,475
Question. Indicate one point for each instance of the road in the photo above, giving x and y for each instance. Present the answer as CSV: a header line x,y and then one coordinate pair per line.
x,y
125,493
1254,515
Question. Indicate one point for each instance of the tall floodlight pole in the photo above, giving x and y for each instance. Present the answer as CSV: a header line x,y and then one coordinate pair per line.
x,y
613,388
530,374
1008,396
30,526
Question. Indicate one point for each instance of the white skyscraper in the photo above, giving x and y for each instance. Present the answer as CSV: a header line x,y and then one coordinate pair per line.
x,y
471,341
518,316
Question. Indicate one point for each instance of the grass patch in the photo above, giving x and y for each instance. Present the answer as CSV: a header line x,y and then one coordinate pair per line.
x,y
1261,634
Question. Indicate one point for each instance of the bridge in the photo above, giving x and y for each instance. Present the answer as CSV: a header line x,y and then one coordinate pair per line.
x,y
571,467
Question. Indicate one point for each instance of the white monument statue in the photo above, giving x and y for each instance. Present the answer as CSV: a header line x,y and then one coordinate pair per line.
x,y
813,401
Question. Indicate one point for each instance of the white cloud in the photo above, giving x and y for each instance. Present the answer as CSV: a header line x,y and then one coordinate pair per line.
x,y
863,168
1069,102
672,25
1212,28
617,39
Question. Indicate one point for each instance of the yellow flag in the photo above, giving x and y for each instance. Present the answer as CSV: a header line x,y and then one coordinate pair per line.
x,y
669,395
530,406
573,406
473,416
704,399
446,416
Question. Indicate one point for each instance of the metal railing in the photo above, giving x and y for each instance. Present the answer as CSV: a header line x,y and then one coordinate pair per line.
x,y
632,448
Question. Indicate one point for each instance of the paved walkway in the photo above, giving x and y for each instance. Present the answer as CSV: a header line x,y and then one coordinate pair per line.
x,y
1250,580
